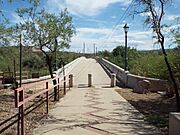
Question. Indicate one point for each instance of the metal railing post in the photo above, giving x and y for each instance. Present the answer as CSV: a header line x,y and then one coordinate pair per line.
x,y
64,85
55,89
47,99
58,89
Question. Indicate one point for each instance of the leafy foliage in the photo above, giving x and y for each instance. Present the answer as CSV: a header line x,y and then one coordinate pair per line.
x,y
145,63
31,61
175,31
48,31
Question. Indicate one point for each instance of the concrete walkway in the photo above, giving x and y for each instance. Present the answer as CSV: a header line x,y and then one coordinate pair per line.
x,y
98,110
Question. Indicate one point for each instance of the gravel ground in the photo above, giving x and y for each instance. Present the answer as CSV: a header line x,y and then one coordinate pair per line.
x,y
154,106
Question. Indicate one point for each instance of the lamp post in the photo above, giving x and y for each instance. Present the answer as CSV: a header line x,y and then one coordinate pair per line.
x,y
126,28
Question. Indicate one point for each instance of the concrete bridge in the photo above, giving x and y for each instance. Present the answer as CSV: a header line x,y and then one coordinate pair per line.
x,y
95,110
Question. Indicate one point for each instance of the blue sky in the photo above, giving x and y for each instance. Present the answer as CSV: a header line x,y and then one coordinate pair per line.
x,y
100,22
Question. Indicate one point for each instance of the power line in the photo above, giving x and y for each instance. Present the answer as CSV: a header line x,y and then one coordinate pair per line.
x,y
122,17
119,21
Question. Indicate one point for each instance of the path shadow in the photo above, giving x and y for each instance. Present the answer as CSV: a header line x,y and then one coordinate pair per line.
x,y
107,87
132,119
83,86
156,110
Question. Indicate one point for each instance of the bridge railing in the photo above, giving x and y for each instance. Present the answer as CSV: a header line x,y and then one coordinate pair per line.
x,y
131,80
68,67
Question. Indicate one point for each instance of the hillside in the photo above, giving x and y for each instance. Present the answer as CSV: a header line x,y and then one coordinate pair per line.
x,y
32,60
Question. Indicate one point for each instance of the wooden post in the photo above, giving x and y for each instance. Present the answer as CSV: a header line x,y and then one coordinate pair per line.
x,y
21,111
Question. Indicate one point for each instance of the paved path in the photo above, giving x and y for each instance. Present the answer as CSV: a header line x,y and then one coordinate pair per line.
x,y
98,110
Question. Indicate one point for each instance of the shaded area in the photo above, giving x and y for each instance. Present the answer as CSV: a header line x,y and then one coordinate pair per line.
x,y
155,107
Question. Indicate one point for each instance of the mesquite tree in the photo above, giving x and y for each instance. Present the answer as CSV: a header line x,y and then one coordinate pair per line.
x,y
154,11
49,32
6,28
175,31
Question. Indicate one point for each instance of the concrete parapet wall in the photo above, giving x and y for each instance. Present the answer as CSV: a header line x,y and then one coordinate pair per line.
x,y
133,79
130,80
68,67
174,124
120,74
156,84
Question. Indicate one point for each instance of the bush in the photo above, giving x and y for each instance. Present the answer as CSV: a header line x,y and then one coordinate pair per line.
x,y
146,63
32,61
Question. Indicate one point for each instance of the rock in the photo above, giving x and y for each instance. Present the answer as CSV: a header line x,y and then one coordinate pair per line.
x,y
142,86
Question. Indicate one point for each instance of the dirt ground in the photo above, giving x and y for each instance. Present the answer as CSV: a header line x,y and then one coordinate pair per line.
x,y
154,106
7,110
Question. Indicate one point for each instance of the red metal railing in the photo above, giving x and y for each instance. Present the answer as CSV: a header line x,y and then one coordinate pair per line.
x,y
21,100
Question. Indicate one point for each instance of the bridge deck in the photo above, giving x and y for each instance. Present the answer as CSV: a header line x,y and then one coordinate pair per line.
x,y
98,110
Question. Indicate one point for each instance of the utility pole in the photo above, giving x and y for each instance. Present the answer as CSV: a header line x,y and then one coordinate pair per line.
x,y
94,49
20,60
84,48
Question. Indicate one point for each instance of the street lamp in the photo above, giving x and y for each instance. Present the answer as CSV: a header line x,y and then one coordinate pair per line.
x,y
126,28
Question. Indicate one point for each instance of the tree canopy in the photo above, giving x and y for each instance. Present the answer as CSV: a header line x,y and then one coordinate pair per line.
x,y
49,32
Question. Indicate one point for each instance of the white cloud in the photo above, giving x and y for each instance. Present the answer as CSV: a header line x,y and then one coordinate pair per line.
x,y
145,14
171,17
140,40
84,7
114,17
140,34
101,31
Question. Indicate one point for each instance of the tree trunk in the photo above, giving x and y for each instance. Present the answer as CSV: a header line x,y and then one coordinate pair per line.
x,y
174,83
172,77
49,63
